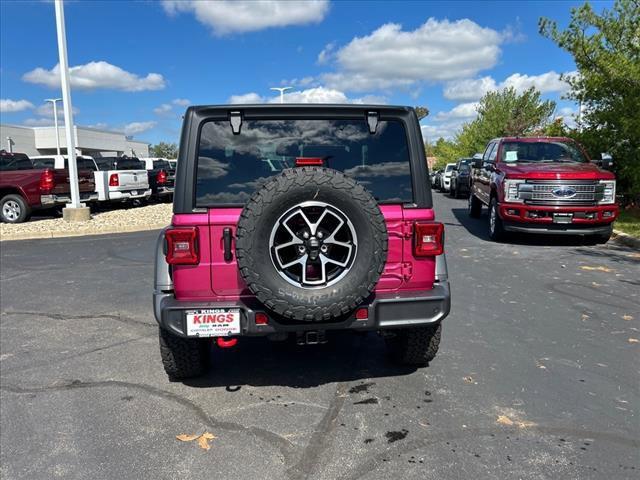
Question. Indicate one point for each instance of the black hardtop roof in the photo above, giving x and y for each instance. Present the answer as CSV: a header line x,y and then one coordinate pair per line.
x,y
301,108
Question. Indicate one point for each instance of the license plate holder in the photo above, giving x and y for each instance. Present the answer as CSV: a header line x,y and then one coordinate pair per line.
x,y
562,217
214,322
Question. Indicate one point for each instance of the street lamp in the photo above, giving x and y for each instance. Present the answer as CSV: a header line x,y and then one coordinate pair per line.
x,y
281,90
74,211
55,120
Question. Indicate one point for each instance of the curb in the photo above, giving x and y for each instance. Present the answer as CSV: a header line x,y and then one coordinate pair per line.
x,y
82,233
625,239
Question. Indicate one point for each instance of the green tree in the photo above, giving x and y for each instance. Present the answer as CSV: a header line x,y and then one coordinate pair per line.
x,y
606,50
504,113
164,150
445,152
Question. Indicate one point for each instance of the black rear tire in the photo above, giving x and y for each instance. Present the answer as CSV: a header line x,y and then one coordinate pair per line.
x,y
414,346
290,190
14,209
183,357
475,206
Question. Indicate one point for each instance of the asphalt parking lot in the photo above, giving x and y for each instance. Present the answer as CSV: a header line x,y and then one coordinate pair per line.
x,y
537,377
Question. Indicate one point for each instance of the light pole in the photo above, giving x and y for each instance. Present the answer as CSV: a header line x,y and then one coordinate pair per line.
x,y
74,211
55,120
281,90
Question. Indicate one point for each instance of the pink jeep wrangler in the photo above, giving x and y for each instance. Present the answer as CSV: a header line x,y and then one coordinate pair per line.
x,y
295,220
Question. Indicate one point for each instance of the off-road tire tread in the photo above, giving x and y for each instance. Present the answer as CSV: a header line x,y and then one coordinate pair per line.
x,y
415,346
271,191
182,357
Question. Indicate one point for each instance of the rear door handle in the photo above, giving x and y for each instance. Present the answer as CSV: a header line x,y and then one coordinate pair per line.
x,y
226,243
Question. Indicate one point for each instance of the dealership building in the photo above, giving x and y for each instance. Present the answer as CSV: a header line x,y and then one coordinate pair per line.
x,y
89,141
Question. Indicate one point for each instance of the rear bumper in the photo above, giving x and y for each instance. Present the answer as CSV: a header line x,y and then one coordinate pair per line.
x,y
52,200
386,311
128,194
572,220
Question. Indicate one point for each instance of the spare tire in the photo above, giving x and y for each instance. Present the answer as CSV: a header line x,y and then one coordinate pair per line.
x,y
311,244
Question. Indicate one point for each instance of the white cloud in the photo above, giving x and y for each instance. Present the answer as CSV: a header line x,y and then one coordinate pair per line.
x,y
138,127
310,95
227,16
38,122
99,126
8,106
327,53
246,98
94,75
474,89
446,130
464,111
166,109
469,89
163,109
435,51
46,110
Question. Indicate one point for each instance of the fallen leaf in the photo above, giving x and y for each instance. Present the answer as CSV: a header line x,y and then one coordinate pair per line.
x,y
634,340
599,268
585,317
203,440
470,379
183,437
627,317
504,420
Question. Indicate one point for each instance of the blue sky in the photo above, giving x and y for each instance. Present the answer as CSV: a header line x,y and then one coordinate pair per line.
x,y
140,63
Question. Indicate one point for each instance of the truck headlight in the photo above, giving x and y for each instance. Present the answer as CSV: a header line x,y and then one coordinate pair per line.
x,y
609,193
511,190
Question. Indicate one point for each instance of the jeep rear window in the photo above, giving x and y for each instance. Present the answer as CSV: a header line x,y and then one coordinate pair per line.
x,y
231,167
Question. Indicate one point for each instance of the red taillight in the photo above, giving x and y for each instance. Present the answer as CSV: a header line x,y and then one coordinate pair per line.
x,y
47,181
114,180
309,162
182,246
362,314
162,177
261,318
428,239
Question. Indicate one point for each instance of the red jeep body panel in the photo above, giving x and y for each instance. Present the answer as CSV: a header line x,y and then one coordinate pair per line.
x,y
215,279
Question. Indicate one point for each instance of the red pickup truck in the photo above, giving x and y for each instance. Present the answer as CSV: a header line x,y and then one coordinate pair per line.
x,y
543,185
24,188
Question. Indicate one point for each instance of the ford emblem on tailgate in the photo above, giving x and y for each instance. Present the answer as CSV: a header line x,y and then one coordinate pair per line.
x,y
564,192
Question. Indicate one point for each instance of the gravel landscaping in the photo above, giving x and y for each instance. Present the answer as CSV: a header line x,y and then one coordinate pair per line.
x,y
120,220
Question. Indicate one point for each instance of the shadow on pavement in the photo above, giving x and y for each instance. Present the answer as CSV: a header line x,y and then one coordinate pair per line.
x,y
479,227
259,362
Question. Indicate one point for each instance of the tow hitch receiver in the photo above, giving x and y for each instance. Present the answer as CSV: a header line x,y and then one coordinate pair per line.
x,y
311,337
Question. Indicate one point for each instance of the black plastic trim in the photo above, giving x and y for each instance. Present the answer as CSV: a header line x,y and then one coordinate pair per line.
x,y
386,311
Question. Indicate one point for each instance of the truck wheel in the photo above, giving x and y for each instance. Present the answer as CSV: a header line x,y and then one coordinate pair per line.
x,y
496,229
311,244
475,206
13,209
183,357
414,346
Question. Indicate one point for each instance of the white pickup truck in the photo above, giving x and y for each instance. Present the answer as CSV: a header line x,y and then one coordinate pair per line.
x,y
116,178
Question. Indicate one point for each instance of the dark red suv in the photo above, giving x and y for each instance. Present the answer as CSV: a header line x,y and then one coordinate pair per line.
x,y
296,220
